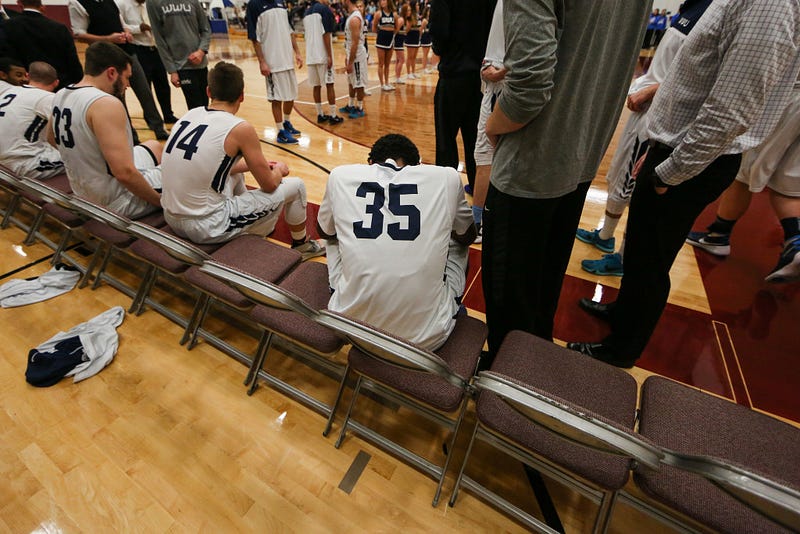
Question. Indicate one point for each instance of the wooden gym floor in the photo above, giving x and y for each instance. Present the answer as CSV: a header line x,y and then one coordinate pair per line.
x,y
165,440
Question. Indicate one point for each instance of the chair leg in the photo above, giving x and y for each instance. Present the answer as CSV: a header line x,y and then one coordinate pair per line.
x,y
198,324
349,411
30,239
604,513
106,259
336,402
144,289
265,337
258,363
10,209
450,450
198,307
457,487
61,246
92,264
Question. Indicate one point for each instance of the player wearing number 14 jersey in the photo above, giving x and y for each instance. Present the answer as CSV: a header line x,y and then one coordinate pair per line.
x,y
398,235
204,196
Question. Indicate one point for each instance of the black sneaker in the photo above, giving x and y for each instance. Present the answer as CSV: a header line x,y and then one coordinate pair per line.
x,y
322,118
170,119
788,268
717,244
335,119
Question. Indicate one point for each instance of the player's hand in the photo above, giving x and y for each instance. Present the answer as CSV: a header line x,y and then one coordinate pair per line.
x,y
118,38
492,74
175,79
264,68
299,60
493,139
330,62
282,167
349,67
128,37
660,190
638,166
639,100
144,27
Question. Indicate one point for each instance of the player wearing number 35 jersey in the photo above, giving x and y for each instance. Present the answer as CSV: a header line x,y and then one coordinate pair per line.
x,y
93,135
391,259
204,196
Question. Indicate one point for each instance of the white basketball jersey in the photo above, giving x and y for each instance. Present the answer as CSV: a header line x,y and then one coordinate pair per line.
x,y
195,167
275,37
89,174
496,45
24,112
393,228
5,86
361,52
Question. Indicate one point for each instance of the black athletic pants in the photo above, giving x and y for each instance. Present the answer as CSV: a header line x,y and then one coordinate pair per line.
x,y
144,94
457,104
193,85
657,228
526,248
156,75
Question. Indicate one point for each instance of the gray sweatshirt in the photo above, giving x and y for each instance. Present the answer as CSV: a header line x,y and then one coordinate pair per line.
x,y
570,63
179,27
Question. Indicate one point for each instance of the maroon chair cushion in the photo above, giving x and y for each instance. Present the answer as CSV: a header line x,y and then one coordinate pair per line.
x,y
686,420
600,389
155,255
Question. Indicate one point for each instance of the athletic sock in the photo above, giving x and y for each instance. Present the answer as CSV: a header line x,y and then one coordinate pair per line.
x,y
609,226
333,110
791,227
360,104
351,102
318,105
721,226
287,117
298,237
477,214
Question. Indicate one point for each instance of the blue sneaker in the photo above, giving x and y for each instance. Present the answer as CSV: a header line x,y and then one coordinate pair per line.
x,y
468,189
289,128
285,138
356,113
608,265
593,238
788,268
347,109
717,244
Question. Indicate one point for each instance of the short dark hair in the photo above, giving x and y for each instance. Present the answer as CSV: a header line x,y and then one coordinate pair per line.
x,y
35,4
101,55
42,72
225,82
6,63
394,146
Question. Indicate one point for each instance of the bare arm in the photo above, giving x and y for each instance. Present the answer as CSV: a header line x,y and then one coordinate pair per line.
x,y
297,57
328,48
243,138
355,32
106,118
262,63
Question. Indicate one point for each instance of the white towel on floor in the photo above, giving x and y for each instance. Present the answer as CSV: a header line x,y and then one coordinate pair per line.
x,y
53,283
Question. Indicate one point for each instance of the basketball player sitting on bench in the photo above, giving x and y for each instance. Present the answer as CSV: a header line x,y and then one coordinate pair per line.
x,y
204,194
24,112
399,233
90,128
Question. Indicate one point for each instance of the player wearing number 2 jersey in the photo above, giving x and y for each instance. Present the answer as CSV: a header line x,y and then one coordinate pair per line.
x,y
391,259
93,135
204,196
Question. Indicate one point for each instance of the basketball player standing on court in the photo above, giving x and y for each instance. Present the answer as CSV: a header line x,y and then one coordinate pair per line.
x,y
24,112
276,48
183,34
93,135
355,57
401,266
204,195
569,65
319,25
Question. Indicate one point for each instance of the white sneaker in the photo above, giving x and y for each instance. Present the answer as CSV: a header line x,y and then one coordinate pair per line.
x,y
399,81
310,249
412,76
390,87
479,238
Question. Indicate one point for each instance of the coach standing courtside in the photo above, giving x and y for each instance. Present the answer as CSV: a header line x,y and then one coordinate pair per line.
x,y
725,93
34,37
183,34
459,29
569,65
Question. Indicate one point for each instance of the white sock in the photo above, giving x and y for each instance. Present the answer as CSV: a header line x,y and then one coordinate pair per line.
x,y
279,125
299,235
333,110
287,117
318,105
610,224
360,104
351,101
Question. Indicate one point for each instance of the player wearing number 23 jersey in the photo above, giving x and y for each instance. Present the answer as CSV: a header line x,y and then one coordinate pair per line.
x,y
393,263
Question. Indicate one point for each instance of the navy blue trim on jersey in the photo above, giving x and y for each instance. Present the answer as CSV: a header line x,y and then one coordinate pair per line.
x,y
35,128
390,166
254,10
218,183
690,13
328,22
152,156
243,221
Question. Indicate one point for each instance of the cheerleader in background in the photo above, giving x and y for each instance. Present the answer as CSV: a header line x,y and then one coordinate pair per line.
x,y
425,39
413,40
399,42
384,25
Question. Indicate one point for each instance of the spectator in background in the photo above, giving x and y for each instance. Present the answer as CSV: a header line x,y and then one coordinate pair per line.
x,y
459,30
183,34
135,16
34,37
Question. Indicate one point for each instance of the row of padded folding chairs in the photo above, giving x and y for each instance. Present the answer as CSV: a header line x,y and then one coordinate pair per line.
x,y
702,461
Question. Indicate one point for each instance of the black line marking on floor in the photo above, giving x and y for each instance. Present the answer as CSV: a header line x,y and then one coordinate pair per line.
x,y
354,473
292,152
37,262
